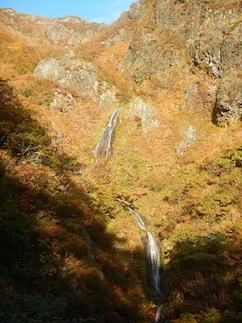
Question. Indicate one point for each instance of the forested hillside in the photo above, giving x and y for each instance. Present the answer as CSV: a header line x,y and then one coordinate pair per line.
x,y
140,116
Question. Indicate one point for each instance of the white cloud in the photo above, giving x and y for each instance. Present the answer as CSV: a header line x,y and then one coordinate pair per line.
x,y
100,20
108,19
111,10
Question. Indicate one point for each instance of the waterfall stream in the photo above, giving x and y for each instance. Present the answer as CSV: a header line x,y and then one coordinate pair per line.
x,y
153,262
138,218
158,314
152,259
101,150
103,147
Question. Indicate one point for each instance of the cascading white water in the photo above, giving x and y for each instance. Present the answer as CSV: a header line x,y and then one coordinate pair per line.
x,y
153,262
152,259
103,147
158,314
138,218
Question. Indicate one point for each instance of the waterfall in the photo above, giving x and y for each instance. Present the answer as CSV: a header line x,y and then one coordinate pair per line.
x,y
153,263
103,147
138,218
152,254
152,259
158,314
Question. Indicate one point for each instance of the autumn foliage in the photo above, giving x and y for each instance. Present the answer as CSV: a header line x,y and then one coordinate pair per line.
x,y
55,253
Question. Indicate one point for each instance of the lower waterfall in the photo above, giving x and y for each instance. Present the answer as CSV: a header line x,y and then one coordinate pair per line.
x,y
158,314
152,260
153,263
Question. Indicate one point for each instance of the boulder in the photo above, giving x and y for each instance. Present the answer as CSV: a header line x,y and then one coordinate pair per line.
x,y
146,112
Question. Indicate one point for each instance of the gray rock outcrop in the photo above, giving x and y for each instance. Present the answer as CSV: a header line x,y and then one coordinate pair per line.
x,y
136,10
72,31
77,75
146,112
228,104
63,102
194,96
189,140
121,35
107,98
146,58
67,31
181,38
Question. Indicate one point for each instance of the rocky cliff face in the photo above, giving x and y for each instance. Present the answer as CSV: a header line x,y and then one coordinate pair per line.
x,y
72,31
70,73
168,40
191,37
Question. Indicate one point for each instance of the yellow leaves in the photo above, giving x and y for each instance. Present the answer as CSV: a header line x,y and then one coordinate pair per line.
x,y
15,46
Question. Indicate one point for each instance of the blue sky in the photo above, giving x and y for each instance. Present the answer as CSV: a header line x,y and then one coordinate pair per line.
x,y
91,10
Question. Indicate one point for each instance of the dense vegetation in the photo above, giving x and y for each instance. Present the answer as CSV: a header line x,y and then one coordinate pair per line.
x,y
57,261
204,270
56,257
69,250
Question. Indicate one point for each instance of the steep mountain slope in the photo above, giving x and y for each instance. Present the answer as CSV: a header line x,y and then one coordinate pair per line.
x,y
173,68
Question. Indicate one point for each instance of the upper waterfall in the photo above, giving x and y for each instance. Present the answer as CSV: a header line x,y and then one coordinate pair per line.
x,y
138,218
103,147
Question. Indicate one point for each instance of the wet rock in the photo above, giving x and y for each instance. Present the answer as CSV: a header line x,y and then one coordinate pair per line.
x,y
103,148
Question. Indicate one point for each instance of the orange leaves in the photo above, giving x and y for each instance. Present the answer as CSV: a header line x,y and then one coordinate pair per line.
x,y
6,127
16,45
77,245
25,203
28,175
51,230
